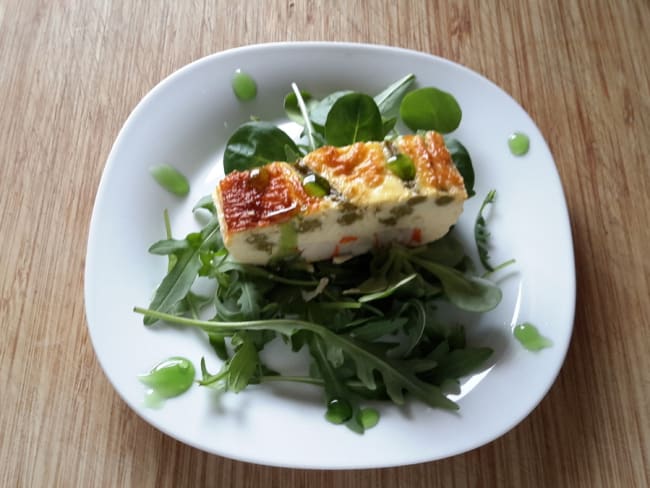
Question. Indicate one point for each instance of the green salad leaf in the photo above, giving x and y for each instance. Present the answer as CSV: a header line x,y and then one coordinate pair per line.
x,y
430,108
371,327
319,111
481,234
389,99
255,144
181,277
353,118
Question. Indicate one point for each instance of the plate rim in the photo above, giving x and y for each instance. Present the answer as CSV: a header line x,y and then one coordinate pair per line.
x,y
182,71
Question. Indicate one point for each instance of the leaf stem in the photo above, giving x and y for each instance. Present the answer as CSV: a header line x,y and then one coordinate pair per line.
x,y
309,129
424,391
171,260
505,264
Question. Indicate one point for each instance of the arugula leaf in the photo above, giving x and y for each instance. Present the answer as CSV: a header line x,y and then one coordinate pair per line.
x,y
179,280
255,144
481,234
206,203
213,380
218,343
376,329
396,380
417,324
456,337
467,293
249,299
238,371
242,367
166,247
459,363
388,291
353,118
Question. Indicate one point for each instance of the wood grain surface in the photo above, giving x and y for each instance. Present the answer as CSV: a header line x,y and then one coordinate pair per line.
x,y
72,70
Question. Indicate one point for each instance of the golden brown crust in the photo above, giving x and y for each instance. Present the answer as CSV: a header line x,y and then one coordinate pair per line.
x,y
263,196
433,163
362,165
274,193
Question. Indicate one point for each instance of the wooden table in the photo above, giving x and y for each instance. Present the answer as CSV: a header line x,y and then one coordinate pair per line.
x,y
70,72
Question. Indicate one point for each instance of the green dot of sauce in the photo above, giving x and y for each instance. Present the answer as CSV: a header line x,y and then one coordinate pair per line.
x,y
368,417
402,166
169,378
244,86
529,337
315,186
170,179
153,400
519,143
338,411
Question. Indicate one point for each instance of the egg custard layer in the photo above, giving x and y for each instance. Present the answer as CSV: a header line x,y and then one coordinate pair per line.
x,y
341,201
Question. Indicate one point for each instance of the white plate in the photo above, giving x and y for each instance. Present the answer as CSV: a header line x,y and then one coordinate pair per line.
x,y
185,121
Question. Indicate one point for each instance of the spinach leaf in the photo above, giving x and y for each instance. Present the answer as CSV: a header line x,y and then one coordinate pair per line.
x,y
447,251
318,112
290,155
430,109
388,125
255,144
463,163
389,99
353,118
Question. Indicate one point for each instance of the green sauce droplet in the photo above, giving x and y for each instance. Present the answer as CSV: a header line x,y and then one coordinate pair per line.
x,y
402,166
167,379
518,143
170,179
368,417
244,86
338,411
529,337
315,185
153,400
